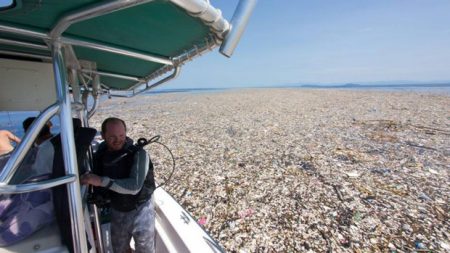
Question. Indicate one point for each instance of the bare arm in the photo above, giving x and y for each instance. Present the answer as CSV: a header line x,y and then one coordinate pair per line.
x,y
130,185
6,137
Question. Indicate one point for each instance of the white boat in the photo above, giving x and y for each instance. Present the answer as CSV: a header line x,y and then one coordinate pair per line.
x,y
55,56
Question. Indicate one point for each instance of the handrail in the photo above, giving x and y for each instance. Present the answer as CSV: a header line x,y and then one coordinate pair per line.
x,y
114,75
36,186
29,33
175,73
24,146
29,55
179,61
110,49
24,44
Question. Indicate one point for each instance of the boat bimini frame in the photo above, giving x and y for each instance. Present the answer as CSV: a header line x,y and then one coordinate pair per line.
x,y
77,78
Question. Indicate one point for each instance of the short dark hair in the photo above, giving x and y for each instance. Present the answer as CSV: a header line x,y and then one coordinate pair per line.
x,y
112,120
27,123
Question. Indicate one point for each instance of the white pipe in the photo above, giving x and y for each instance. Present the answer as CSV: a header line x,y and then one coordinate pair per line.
x,y
24,44
130,53
209,14
36,56
101,73
238,23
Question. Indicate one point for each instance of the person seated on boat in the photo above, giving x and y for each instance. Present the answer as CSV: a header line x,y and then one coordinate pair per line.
x,y
37,162
127,173
22,214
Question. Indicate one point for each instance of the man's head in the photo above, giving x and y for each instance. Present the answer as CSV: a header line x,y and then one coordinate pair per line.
x,y
27,123
45,132
114,132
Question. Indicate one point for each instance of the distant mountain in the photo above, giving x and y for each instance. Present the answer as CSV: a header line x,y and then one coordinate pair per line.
x,y
350,85
404,82
369,85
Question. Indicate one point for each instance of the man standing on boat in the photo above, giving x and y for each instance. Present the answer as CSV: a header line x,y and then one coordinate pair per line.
x,y
127,172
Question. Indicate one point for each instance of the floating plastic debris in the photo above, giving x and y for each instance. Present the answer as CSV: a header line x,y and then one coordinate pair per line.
x,y
202,221
246,213
340,171
352,174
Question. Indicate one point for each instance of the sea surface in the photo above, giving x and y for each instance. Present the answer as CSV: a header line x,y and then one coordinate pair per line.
x,y
443,89
12,121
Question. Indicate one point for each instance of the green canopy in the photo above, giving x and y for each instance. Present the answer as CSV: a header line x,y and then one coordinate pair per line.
x,y
165,30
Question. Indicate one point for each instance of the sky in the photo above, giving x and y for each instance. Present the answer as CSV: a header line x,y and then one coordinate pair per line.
x,y
330,42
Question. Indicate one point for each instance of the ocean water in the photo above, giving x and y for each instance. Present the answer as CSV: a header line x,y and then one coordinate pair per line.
x,y
12,121
429,90
187,90
442,89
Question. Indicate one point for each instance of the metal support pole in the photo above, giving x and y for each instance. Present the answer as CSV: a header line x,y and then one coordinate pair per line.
x,y
76,94
95,96
238,24
73,80
97,228
101,73
68,148
23,44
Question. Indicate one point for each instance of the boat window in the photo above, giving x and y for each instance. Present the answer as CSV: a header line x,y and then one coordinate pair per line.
x,y
35,165
7,4
12,121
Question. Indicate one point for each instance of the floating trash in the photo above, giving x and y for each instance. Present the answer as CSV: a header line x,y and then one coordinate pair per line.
x,y
352,174
296,170
202,221
246,213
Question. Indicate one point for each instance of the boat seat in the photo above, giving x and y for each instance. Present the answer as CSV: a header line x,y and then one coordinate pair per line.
x,y
46,240
83,137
